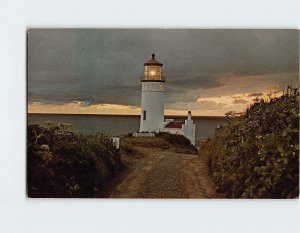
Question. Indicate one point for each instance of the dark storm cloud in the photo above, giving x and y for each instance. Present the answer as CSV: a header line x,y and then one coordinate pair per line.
x,y
126,95
200,80
104,66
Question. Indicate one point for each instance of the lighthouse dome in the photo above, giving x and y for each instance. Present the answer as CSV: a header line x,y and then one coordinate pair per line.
x,y
153,62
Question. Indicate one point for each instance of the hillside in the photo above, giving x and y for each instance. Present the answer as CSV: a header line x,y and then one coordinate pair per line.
x,y
256,154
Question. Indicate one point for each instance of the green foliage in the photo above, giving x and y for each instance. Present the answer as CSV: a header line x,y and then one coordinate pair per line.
x,y
256,154
61,163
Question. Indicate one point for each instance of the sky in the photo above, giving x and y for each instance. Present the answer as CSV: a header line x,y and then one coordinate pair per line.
x,y
208,71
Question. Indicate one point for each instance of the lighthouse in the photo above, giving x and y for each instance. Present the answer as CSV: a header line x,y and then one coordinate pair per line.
x,y
152,106
152,103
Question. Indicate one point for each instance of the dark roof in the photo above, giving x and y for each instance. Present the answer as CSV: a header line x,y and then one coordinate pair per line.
x,y
153,62
175,124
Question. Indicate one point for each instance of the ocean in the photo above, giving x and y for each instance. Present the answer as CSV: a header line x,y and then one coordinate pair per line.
x,y
117,125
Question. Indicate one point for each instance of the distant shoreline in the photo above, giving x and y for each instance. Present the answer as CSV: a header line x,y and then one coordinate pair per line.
x,y
120,115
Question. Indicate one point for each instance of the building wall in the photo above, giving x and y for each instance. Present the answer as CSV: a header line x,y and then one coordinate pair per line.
x,y
153,104
189,130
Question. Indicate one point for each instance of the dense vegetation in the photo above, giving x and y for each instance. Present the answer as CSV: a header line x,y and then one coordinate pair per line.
x,y
61,163
256,154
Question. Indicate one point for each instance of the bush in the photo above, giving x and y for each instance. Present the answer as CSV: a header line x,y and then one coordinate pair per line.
x,y
256,154
183,145
175,138
61,163
128,149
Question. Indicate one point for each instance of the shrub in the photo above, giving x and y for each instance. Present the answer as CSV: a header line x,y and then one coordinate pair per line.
x,y
256,154
128,149
61,163
174,138
183,145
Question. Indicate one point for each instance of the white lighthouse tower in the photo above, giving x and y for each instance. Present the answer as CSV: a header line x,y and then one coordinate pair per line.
x,y
152,106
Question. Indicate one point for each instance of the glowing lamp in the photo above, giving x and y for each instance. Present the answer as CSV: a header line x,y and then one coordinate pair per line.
x,y
153,70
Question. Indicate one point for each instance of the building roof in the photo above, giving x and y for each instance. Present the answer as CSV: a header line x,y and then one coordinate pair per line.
x,y
153,62
175,124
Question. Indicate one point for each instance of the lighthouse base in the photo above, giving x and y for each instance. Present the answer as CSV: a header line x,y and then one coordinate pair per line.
x,y
152,107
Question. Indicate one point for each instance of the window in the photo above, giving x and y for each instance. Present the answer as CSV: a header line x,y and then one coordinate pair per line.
x,y
144,115
161,88
152,73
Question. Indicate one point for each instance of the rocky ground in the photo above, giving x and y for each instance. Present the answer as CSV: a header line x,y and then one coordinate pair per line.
x,y
165,174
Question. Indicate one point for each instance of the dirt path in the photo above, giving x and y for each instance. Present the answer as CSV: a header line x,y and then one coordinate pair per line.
x,y
164,174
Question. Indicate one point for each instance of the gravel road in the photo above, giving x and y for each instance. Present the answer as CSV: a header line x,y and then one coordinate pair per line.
x,y
164,174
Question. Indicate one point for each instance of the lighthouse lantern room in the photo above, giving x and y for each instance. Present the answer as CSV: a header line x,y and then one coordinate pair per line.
x,y
152,104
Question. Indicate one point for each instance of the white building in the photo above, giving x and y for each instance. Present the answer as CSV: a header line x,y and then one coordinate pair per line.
x,y
186,128
152,104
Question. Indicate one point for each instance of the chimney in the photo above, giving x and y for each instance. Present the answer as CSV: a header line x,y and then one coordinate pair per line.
x,y
189,115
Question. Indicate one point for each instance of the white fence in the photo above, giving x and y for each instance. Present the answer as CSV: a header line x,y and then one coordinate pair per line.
x,y
116,142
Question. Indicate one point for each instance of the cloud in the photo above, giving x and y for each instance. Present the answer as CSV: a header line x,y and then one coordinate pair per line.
x,y
240,101
256,94
103,66
211,105
196,81
81,108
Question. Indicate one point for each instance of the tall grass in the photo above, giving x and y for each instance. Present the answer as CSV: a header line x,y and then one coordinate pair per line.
x,y
256,154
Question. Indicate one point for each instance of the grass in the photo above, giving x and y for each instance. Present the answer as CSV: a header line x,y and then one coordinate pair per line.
x,y
133,146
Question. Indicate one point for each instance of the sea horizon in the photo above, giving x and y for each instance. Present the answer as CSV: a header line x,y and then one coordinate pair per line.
x,y
125,115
